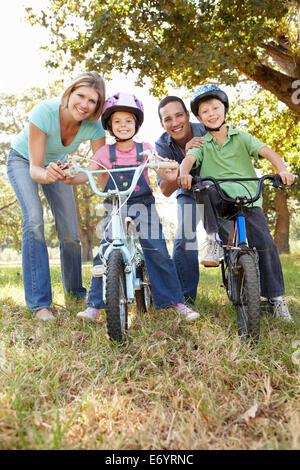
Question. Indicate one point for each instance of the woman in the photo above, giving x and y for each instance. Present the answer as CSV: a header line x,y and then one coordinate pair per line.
x,y
56,128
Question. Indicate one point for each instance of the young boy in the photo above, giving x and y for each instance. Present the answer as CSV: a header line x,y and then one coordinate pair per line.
x,y
227,154
122,116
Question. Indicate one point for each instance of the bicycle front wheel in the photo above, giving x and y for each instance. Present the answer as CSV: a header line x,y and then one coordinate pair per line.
x,y
116,298
248,305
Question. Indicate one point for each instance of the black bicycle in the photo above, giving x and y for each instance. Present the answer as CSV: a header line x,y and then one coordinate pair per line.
x,y
240,270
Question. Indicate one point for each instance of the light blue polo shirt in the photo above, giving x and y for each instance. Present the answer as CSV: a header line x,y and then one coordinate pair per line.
x,y
45,116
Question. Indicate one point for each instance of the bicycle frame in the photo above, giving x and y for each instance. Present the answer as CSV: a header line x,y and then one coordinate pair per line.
x,y
121,239
240,244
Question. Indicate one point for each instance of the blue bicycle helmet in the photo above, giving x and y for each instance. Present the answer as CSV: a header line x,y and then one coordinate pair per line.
x,y
206,92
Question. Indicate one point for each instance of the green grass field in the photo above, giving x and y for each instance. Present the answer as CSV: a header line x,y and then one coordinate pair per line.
x,y
169,386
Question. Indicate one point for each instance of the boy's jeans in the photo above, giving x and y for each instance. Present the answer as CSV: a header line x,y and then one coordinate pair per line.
x,y
36,272
258,235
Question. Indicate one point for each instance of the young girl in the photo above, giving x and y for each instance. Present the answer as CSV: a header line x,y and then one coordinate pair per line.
x,y
122,116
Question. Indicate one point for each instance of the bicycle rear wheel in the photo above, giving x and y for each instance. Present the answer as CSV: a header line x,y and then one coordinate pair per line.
x,y
143,296
116,299
248,305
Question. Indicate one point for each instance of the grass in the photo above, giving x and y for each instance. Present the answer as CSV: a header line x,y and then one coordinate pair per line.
x,y
63,385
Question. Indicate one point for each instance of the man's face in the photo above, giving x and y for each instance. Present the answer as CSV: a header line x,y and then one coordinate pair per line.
x,y
175,121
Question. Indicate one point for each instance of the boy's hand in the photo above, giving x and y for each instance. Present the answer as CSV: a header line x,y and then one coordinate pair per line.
x,y
287,177
185,181
194,142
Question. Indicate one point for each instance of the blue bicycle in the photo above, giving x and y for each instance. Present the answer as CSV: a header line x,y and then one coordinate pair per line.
x,y
240,270
123,269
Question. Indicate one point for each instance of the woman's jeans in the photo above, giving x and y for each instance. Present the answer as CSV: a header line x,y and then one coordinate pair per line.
x,y
35,261
165,285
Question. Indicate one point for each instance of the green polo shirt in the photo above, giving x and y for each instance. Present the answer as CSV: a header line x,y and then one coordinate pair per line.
x,y
230,160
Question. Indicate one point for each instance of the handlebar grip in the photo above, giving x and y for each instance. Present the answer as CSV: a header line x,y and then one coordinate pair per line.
x,y
277,182
159,164
172,165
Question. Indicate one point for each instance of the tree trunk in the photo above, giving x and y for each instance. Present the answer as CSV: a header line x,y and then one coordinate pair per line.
x,y
282,227
284,87
86,239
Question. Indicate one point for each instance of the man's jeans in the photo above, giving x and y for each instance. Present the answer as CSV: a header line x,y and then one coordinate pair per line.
x,y
165,285
36,272
185,249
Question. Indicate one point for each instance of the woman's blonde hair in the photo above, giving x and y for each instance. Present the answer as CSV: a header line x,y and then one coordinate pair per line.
x,y
90,79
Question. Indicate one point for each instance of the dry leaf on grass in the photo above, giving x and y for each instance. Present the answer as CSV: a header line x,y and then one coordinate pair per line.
x,y
250,414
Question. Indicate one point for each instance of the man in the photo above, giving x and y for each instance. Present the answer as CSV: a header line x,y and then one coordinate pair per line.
x,y
180,135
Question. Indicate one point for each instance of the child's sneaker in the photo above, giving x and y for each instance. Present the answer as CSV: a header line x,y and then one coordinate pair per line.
x,y
280,310
186,313
90,313
212,254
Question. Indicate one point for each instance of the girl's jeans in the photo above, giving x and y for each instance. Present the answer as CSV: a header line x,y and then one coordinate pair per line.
x,y
165,285
35,261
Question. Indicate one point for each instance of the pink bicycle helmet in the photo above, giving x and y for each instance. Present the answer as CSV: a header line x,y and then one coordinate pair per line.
x,y
122,102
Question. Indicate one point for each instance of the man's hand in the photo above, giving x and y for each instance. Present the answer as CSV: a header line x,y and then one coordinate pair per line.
x,y
185,181
168,174
194,142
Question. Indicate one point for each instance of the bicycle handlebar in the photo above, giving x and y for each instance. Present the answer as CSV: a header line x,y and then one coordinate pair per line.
x,y
137,173
198,181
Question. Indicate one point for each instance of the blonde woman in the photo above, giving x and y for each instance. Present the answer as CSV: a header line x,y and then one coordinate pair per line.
x,y
56,127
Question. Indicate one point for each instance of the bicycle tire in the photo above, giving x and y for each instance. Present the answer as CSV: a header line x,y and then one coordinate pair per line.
x,y
116,299
143,296
248,306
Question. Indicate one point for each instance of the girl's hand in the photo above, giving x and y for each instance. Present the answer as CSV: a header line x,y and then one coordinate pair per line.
x,y
287,177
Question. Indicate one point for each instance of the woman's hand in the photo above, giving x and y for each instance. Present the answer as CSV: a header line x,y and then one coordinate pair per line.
x,y
55,172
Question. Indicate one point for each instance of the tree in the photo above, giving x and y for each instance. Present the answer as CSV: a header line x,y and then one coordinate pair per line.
x,y
275,125
181,42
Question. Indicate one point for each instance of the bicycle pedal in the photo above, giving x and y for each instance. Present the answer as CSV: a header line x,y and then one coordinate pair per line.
x,y
99,270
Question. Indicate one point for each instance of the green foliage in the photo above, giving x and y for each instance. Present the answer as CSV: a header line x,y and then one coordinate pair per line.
x,y
178,42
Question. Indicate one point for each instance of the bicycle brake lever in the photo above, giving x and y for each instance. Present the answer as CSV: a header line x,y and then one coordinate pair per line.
x,y
200,186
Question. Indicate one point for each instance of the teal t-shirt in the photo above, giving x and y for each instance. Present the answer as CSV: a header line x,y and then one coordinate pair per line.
x,y
45,116
230,160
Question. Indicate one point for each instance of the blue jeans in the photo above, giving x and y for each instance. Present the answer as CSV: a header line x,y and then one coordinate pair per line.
x,y
165,285
185,249
35,261
258,235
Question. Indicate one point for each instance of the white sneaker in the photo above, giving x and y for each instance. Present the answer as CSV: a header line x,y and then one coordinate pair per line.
x,y
212,254
280,310
186,313
90,313
44,314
